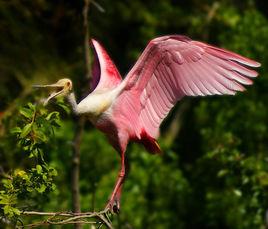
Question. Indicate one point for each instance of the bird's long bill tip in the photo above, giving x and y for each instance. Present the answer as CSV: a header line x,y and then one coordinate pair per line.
x,y
55,85
38,86
56,90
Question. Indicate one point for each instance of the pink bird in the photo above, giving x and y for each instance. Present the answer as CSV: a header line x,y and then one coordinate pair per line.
x,y
169,68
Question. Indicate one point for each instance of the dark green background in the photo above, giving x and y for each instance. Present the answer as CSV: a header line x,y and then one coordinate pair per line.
x,y
214,170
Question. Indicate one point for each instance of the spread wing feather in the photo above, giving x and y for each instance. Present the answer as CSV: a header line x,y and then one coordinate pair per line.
x,y
172,67
104,73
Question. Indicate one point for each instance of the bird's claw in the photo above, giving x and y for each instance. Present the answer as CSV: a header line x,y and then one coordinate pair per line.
x,y
113,206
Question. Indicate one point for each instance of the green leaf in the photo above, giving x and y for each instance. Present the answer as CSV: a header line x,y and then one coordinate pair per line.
x,y
39,169
41,189
64,107
26,130
7,210
53,172
237,192
53,187
26,112
53,115
31,106
222,172
10,211
15,130
4,200
8,199
16,211
39,133
55,123
29,189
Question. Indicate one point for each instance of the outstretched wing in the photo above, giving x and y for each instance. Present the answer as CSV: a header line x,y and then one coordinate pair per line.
x,y
104,73
172,67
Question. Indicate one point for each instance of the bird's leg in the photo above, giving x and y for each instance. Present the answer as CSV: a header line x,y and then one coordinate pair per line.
x,y
114,201
117,198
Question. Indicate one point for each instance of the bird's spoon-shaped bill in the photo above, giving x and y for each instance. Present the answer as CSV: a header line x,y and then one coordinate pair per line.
x,y
58,90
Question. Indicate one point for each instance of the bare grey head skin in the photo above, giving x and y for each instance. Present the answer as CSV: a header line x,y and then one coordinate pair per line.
x,y
63,87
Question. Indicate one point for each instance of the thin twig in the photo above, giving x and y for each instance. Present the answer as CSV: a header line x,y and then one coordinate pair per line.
x,y
98,6
211,14
175,125
86,39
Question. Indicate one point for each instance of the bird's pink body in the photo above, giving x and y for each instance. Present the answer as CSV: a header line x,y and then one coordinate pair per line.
x,y
121,122
170,68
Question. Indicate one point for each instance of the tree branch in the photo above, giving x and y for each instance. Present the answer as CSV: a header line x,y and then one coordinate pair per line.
x,y
81,122
86,39
63,218
76,165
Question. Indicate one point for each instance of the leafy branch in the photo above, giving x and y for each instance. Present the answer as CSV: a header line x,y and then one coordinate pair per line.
x,y
23,187
34,127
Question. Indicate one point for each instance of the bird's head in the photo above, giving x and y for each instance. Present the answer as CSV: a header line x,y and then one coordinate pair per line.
x,y
62,87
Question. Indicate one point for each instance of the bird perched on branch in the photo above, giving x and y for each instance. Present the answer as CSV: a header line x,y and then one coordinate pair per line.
x,y
132,109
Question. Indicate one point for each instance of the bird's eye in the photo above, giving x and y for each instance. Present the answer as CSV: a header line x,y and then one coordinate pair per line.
x,y
68,84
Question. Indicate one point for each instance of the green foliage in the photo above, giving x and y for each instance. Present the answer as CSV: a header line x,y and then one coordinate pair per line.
x,y
26,187
239,184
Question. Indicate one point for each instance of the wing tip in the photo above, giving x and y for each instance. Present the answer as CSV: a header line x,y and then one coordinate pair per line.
x,y
229,55
93,42
106,72
256,64
248,62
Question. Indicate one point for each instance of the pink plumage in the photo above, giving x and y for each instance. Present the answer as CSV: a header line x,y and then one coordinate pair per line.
x,y
169,68
105,74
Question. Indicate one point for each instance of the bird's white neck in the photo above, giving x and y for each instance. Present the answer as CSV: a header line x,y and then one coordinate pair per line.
x,y
95,103
72,100
92,106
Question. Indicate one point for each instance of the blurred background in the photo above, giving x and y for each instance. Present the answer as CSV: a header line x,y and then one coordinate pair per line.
x,y
214,170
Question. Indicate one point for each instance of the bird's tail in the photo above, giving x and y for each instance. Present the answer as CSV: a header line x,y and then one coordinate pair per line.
x,y
150,143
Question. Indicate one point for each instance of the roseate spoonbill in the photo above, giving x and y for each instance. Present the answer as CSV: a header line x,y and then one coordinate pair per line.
x,y
169,68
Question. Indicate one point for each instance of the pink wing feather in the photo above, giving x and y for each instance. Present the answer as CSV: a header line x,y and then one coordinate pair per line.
x,y
172,67
104,72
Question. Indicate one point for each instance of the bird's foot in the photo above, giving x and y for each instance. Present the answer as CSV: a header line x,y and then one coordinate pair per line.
x,y
113,206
